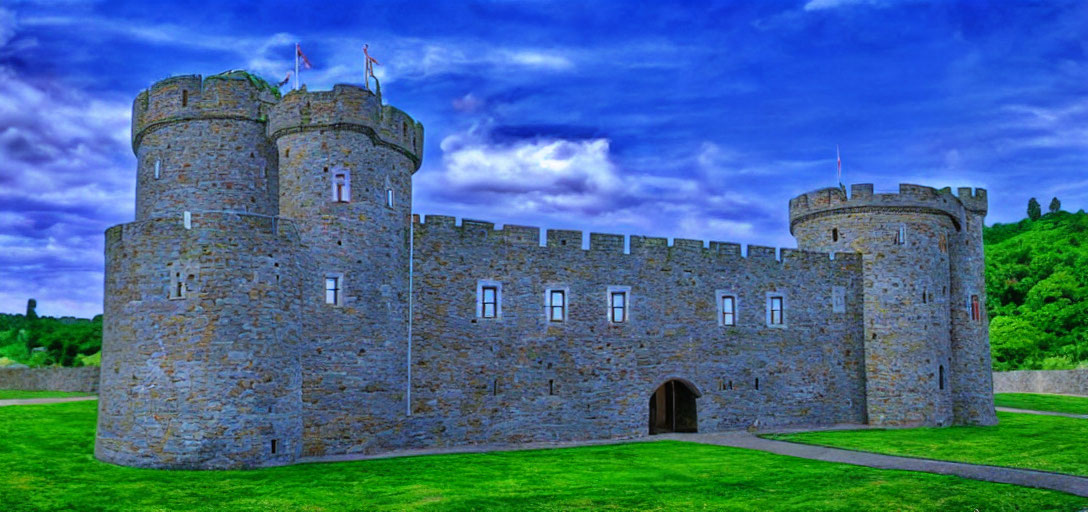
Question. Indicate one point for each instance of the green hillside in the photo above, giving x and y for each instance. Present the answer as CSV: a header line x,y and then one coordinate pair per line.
x,y
46,341
1037,291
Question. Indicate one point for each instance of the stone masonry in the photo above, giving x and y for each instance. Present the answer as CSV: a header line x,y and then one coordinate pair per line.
x,y
276,298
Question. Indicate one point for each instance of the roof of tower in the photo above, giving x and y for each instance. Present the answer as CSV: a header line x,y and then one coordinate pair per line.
x,y
348,108
913,198
237,95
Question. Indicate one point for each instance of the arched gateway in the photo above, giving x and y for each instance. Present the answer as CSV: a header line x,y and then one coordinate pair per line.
x,y
672,408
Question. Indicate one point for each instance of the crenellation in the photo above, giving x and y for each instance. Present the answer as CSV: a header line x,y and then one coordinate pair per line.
x,y
859,191
521,235
606,242
570,239
761,253
687,244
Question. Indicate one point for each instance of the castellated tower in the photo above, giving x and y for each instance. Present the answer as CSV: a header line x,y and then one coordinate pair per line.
x,y
346,164
200,364
927,356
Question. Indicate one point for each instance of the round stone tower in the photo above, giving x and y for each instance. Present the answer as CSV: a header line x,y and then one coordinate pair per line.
x,y
200,146
200,363
346,164
908,243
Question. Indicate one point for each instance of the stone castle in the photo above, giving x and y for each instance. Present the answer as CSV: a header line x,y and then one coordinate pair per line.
x,y
276,299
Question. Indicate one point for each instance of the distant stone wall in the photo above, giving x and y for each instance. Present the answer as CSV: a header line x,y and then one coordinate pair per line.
x,y
1064,382
84,379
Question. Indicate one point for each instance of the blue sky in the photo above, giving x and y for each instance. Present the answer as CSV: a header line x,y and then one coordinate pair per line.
x,y
686,119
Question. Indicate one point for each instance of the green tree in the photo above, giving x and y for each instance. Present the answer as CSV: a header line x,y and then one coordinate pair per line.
x,y
1055,205
1034,210
1014,340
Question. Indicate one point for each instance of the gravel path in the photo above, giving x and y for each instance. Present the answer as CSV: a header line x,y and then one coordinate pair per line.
x,y
35,401
1026,477
1044,413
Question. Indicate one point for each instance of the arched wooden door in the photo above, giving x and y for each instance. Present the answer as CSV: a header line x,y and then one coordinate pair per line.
x,y
673,409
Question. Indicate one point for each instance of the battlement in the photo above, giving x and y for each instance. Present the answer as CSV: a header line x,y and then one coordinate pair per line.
x,y
909,197
236,224
484,234
348,107
230,95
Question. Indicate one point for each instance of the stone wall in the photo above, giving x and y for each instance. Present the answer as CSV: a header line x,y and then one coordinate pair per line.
x,y
520,377
1062,382
83,379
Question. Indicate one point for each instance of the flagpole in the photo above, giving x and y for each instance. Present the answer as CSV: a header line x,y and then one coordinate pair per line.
x,y
296,66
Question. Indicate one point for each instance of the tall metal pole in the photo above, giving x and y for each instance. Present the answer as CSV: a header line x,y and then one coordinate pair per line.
x,y
296,65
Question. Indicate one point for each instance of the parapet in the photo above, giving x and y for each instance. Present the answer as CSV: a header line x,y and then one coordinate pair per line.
x,y
915,198
231,95
348,107
476,233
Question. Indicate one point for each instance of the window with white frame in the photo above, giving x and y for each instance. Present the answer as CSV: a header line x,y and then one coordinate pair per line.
x,y
619,304
341,187
556,304
334,289
901,235
488,299
727,308
177,284
776,310
158,168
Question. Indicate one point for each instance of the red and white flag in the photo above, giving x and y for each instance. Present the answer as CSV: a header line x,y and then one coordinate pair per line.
x,y
838,158
299,54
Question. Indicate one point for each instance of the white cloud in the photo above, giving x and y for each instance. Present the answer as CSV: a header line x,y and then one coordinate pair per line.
x,y
579,184
817,5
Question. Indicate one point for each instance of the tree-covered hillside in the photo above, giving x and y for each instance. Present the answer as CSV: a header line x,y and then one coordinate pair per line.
x,y
1037,290
46,341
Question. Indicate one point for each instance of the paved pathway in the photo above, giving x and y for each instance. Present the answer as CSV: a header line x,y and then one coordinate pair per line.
x,y
1026,477
33,401
1044,413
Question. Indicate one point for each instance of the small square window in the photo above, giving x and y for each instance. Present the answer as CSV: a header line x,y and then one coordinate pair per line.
x,y
557,305
341,187
729,310
490,301
333,290
618,307
776,311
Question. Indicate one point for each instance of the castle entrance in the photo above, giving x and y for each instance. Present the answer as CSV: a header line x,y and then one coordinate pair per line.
x,y
672,409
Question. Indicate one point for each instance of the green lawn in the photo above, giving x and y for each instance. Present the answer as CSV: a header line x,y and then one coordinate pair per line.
x,y
1055,403
46,463
9,394
1051,443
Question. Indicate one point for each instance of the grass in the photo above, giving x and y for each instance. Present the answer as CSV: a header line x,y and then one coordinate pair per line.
x,y
12,394
48,465
1035,402
1050,443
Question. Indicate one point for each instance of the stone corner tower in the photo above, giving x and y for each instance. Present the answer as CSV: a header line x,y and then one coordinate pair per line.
x,y
200,363
926,346
345,169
